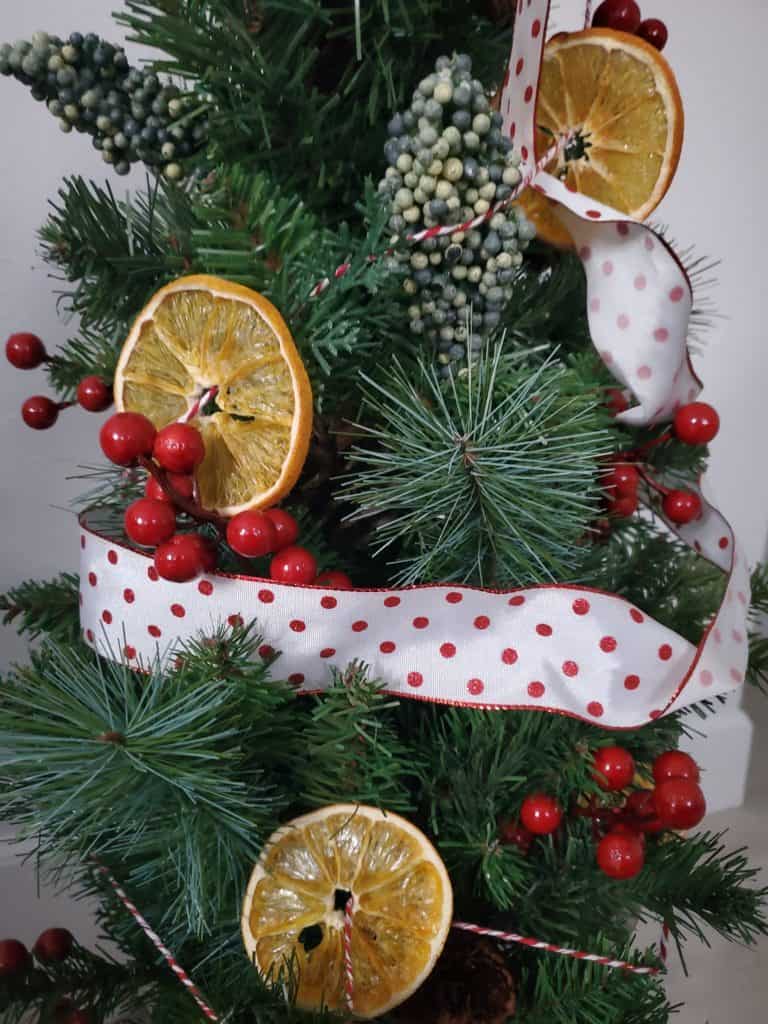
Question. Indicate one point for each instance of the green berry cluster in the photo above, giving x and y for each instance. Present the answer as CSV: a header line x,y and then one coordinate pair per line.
x,y
448,163
88,84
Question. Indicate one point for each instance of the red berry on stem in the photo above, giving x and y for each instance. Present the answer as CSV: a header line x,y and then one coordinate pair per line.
x,y
53,945
179,448
25,351
183,485
251,534
125,436
334,580
681,506
622,15
654,32
641,807
286,527
620,855
541,814
679,803
185,556
293,565
696,423
94,394
14,957
39,412
512,833
675,764
621,481
150,522
623,508
614,768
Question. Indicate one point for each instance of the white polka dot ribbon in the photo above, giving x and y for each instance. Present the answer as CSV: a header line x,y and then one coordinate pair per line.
x,y
564,649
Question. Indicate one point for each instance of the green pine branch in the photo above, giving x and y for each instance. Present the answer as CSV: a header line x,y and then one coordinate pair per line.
x,y
44,609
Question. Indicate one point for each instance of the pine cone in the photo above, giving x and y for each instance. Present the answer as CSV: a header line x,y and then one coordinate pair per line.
x,y
471,984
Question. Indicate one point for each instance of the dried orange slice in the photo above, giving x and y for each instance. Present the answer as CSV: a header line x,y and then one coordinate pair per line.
x,y
619,97
293,913
203,332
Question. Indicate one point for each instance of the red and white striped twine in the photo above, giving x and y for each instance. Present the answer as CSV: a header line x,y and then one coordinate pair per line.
x,y
576,954
664,943
349,975
588,14
199,404
157,942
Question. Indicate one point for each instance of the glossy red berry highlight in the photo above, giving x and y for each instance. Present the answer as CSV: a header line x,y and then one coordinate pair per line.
x,y
696,423
150,522
682,506
39,412
252,534
183,485
179,448
334,580
53,945
622,15
184,557
14,957
614,768
620,855
541,814
126,436
621,481
675,764
679,803
294,565
94,394
286,527
25,351
653,31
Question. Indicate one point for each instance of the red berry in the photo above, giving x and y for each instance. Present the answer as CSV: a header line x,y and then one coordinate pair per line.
x,y
185,556
150,522
94,394
251,534
679,803
682,506
620,855
541,814
293,565
179,448
512,833
616,401
621,481
53,945
39,412
14,957
654,32
614,768
641,807
125,436
334,580
25,351
675,764
624,507
622,15
184,485
696,423
286,527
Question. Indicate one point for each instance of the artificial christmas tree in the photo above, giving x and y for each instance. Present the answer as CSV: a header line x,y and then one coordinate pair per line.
x,y
329,723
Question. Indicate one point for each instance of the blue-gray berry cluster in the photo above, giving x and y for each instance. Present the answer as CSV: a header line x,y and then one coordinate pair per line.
x,y
88,84
448,163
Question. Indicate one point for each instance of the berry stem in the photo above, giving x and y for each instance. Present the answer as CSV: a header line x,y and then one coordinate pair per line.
x,y
653,483
188,505
637,453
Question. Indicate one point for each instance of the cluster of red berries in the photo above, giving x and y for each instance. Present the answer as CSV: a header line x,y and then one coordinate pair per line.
x,y
176,451
625,16
52,946
26,352
676,802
